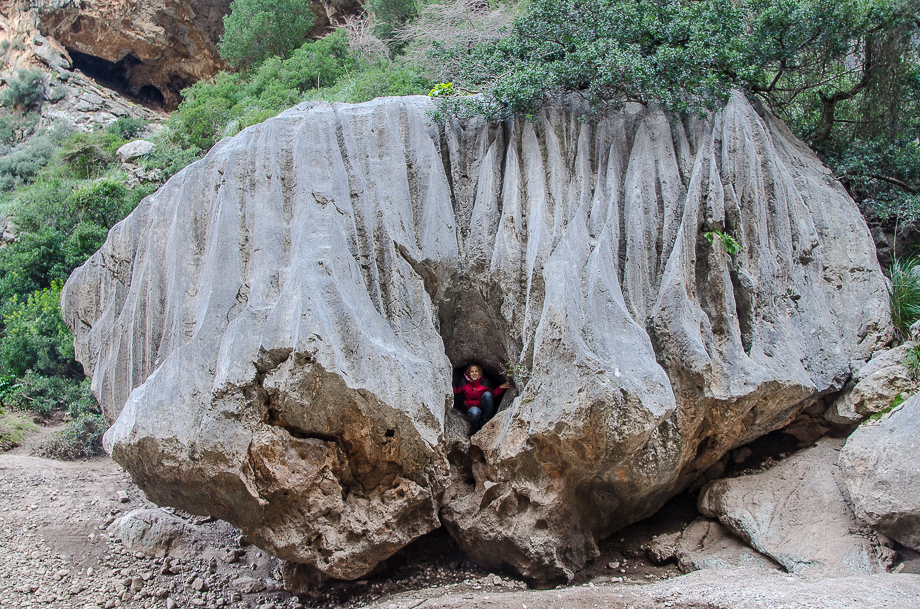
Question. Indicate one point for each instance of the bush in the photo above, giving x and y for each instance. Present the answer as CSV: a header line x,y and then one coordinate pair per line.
x,y
126,127
20,166
31,264
26,88
258,29
81,438
378,82
44,394
17,126
35,335
88,155
904,295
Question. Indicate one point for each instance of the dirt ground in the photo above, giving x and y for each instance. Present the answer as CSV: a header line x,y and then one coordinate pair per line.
x,y
58,550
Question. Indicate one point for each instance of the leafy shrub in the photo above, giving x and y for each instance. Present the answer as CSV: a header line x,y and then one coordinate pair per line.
x,y
35,335
22,164
376,82
31,264
81,438
26,88
126,127
17,126
258,29
45,394
904,295
88,155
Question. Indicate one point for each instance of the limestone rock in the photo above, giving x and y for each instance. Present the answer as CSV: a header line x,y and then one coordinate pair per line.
x,y
155,533
877,384
273,333
135,149
705,544
796,514
880,467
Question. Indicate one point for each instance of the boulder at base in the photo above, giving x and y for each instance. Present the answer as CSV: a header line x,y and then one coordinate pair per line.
x,y
796,513
880,467
155,533
706,544
272,334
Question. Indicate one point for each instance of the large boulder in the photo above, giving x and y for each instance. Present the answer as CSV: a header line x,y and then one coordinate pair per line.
x,y
796,513
880,466
273,333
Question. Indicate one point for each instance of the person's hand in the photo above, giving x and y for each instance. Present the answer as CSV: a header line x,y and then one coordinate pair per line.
x,y
506,385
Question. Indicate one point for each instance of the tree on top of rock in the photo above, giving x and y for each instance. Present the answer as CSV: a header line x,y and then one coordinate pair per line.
x,y
258,29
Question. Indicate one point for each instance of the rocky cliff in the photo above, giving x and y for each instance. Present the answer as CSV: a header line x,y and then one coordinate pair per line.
x,y
273,333
149,50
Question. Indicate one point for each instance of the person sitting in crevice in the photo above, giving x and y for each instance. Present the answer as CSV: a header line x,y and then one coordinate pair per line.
x,y
478,396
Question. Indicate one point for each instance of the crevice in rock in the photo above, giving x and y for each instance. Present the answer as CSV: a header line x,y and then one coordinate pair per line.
x,y
744,306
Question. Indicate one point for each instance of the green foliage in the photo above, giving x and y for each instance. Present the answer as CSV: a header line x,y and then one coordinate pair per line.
x,y
258,29
376,82
22,164
904,295
24,89
13,429
912,361
16,126
517,373
126,128
872,418
35,335
45,394
389,16
88,155
728,242
442,89
684,55
80,439
231,102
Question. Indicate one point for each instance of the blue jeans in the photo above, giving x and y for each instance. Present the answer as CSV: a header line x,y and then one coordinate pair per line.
x,y
480,416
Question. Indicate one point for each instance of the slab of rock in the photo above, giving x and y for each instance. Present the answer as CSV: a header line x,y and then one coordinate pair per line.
x,y
877,383
880,467
135,149
155,533
705,544
273,333
796,513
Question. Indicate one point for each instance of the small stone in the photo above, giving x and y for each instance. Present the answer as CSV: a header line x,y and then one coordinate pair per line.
x,y
170,603
496,580
123,497
137,584
199,584
613,565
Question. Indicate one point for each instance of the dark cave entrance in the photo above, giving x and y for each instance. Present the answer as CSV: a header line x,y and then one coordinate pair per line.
x,y
474,333
117,76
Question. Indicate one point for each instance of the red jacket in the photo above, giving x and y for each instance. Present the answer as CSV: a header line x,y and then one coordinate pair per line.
x,y
472,391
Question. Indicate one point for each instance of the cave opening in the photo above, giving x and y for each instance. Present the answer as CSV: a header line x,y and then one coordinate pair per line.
x,y
117,76
474,333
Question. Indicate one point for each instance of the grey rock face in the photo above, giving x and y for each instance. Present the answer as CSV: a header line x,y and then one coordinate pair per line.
x,y
273,332
880,467
796,514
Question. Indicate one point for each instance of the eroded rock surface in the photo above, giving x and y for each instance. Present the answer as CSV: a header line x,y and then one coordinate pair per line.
x,y
796,513
880,467
273,332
